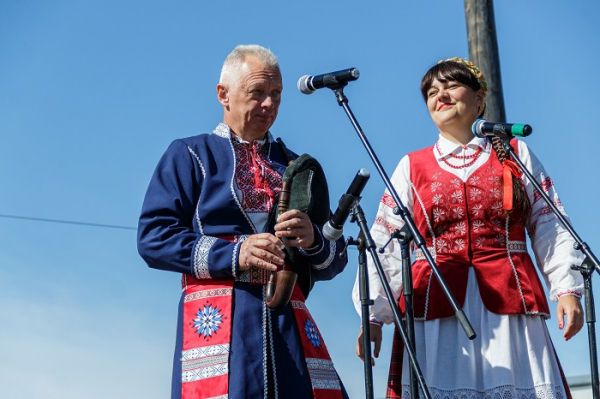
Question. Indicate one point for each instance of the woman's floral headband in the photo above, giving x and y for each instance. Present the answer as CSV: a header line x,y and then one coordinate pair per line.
x,y
474,70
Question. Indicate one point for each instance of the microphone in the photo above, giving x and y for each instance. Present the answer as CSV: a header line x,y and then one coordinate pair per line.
x,y
308,84
483,128
334,227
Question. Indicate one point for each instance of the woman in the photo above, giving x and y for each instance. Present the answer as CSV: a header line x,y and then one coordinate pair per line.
x,y
472,206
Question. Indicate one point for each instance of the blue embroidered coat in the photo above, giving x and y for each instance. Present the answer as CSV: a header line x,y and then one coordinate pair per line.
x,y
190,203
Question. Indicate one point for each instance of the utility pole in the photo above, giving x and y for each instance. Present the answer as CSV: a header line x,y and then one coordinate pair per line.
x,y
483,52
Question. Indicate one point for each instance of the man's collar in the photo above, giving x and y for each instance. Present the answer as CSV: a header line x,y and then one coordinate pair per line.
x,y
223,130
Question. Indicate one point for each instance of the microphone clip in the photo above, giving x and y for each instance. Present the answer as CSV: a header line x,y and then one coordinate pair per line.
x,y
403,235
359,243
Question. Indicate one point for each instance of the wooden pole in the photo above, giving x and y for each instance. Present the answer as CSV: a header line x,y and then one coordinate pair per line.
x,y
483,52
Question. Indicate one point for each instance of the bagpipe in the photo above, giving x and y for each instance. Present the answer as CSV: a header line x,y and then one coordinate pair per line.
x,y
304,187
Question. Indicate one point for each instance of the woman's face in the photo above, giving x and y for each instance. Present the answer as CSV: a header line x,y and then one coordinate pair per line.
x,y
453,105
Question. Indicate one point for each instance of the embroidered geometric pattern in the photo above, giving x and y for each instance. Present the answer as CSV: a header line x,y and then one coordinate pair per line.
x,y
322,374
457,208
387,200
222,130
330,257
577,293
514,268
201,252
196,214
194,296
205,351
419,253
205,362
267,324
299,305
238,240
546,210
546,184
212,370
517,246
431,276
385,224
311,333
233,190
448,210
427,220
207,321
268,320
199,161
254,275
197,217
502,392
258,183
316,249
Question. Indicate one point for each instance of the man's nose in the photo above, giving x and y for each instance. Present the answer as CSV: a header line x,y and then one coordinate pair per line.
x,y
268,101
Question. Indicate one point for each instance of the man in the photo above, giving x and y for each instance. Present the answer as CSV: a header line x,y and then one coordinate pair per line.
x,y
207,214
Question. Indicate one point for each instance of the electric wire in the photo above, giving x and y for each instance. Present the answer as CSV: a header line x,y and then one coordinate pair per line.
x,y
108,226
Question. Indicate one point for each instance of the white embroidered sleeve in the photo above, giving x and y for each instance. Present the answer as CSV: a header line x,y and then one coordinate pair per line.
x,y
551,242
385,223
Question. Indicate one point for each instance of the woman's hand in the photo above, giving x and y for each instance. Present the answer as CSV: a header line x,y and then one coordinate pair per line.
x,y
570,306
376,337
262,250
297,229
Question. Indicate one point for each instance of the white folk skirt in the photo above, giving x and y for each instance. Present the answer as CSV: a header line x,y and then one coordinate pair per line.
x,y
511,358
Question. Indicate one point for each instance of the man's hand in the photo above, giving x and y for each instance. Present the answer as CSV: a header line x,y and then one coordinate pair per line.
x,y
262,250
570,306
297,229
376,337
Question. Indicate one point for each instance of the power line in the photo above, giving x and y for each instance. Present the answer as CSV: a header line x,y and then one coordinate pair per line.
x,y
108,226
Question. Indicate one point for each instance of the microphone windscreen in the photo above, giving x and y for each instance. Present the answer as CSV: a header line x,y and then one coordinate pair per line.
x,y
477,127
303,85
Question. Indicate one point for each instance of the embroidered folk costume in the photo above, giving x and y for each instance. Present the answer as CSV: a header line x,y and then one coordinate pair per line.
x,y
455,196
472,207
207,195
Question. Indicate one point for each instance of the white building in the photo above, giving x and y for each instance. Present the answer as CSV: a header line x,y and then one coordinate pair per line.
x,y
581,386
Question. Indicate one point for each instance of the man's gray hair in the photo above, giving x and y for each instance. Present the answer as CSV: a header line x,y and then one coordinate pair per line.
x,y
234,61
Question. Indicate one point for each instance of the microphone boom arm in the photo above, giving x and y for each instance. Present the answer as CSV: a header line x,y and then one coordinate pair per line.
x,y
580,244
589,264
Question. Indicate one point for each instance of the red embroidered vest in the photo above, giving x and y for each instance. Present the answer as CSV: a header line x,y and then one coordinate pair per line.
x,y
464,226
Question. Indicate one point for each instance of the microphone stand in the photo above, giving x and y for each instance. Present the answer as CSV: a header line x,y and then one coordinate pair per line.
x,y
404,238
365,243
365,303
589,264
405,215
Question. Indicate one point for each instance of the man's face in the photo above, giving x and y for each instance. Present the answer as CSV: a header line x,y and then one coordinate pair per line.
x,y
251,100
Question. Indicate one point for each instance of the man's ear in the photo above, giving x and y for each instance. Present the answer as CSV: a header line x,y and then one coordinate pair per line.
x,y
223,94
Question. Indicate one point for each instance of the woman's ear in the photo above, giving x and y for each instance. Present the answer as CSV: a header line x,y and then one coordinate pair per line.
x,y
480,98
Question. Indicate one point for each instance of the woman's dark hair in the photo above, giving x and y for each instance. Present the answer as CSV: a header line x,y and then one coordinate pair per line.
x,y
449,71
446,71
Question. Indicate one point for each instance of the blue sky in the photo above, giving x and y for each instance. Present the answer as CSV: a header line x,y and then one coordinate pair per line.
x,y
92,92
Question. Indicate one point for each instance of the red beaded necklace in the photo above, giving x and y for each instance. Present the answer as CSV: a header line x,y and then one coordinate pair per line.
x,y
475,155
